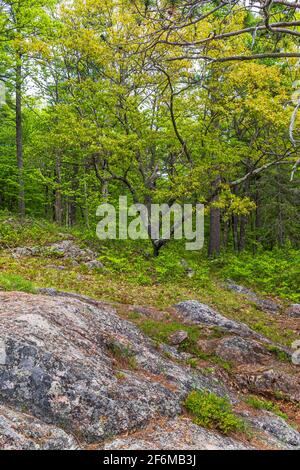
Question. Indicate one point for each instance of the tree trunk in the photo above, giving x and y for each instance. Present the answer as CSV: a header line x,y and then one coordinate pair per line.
x,y
214,246
258,215
214,232
235,232
104,190
243,220
58,209
19,135
86,204
226,227
72,212
72,201
157,246
242,233
280,221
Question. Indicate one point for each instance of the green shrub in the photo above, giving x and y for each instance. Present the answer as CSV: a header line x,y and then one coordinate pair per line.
x,y
273,272
29,232
262,404
213,412
14,282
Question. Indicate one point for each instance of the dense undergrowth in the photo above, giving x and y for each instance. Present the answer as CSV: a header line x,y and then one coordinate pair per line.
x,y
273,272
133,276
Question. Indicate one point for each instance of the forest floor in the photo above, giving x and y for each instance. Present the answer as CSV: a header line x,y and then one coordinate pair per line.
x,y
131,276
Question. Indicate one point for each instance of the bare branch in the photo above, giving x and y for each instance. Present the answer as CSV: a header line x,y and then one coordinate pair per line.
x,y
266,55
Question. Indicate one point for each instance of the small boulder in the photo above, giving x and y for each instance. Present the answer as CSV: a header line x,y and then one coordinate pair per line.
x,y
198,313
294,311
264,304
67,249
207,346
94,264
270,382
241,351
56,267
276,428
189,271
178,337
23,251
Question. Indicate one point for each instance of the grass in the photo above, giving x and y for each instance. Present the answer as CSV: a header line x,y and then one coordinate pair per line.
x,y
213,412
30,232
14,282
262,404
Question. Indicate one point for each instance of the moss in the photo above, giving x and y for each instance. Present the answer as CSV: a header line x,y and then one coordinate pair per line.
x,y
213,412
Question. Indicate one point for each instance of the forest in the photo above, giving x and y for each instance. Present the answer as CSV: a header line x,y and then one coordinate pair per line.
x,y
186,101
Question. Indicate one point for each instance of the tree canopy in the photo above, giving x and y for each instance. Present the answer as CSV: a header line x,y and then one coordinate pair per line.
x,y
163,100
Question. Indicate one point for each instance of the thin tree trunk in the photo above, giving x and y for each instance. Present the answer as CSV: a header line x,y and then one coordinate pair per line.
x,y
19,135
214,246
243,220
72,212
156,249
235,232
58,209
47,206
86,204
214,232
280,223
104,190
225,233
72,200
258,216
242,233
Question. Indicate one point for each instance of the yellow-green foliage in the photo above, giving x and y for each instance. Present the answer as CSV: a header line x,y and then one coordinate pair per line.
x,y
214,412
